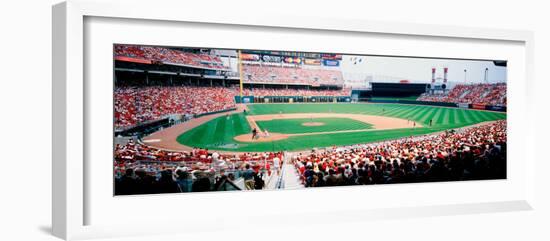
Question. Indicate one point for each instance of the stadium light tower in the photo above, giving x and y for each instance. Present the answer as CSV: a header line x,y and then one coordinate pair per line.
x,y
433,80
445,71
465,71
486,78
433,76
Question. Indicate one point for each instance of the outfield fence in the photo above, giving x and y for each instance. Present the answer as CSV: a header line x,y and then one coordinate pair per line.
x,y
442,104
292,99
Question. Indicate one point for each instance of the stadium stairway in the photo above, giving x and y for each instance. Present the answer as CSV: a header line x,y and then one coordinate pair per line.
x,y
271,181
291,178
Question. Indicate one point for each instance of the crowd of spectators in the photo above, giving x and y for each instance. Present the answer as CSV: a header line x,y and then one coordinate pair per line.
x,y
296,92
484,94
167,55
471,153
291,75
140,169
134,105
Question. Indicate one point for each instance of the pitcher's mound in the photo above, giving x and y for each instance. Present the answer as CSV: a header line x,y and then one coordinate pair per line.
x,y
313,124
271,137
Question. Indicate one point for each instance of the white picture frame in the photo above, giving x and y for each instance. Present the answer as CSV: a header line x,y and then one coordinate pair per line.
x,y
71,192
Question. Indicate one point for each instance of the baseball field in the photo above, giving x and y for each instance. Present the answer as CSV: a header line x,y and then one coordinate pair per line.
x,y
295,127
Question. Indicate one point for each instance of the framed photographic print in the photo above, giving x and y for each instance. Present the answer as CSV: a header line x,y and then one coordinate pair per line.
x,y
207,116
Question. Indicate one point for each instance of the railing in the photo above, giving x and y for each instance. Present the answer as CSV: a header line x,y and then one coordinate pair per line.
x,y
280,180
227,185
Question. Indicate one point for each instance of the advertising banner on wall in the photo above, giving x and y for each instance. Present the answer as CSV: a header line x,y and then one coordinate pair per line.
x,y
252,57
292,60
312,61
332,56
495,108
133,60
478,106
331,63
269,58
463,105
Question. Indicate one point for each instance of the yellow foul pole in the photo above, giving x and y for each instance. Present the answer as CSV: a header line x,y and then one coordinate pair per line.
x,y
240,76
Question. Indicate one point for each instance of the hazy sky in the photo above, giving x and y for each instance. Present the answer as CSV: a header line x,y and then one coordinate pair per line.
x,y
420,69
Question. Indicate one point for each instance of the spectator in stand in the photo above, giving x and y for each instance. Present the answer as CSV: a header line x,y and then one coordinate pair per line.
x,y
184,180
277,165
126,184
166,184
202,182
258,181
248,176
144,182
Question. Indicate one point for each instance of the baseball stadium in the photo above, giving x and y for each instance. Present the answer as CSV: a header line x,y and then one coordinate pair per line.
x,y
201,119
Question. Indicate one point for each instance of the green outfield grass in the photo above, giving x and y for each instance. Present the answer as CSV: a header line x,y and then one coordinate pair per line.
x,y
218,133
294,126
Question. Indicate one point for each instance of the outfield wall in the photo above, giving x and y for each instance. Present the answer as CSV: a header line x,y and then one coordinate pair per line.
x,y
443,104
347,99
293,99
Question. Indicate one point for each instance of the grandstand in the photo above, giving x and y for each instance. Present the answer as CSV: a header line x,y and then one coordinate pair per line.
x,y
291,68
481,94
147,54
137,105
257,74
